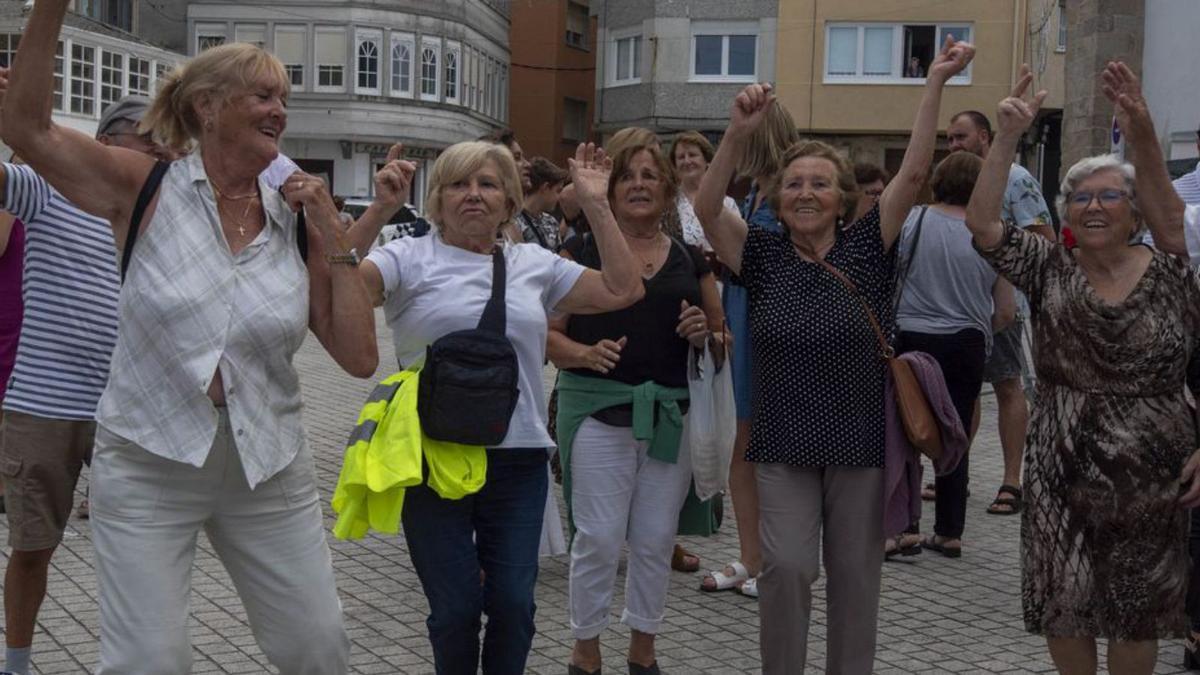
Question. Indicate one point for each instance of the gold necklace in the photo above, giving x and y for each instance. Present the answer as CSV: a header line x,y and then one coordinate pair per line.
x,y
647,265
236,198
240,222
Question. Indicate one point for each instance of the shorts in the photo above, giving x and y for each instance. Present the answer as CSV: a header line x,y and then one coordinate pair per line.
x,y
40,461
1006,361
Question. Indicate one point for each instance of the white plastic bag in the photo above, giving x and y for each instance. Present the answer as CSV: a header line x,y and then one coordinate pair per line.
x,y
711,423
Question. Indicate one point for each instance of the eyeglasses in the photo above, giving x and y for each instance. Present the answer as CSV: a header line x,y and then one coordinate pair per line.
x,y
1106,198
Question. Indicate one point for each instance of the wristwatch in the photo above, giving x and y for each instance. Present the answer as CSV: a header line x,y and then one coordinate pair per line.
x,y
348,258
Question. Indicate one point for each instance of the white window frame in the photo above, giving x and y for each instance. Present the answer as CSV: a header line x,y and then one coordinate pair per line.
x,y
723,30
372,36
302,31
210,30
9,49
85,82
615,39
1061,10
466,82
61,76
452,55
434,44
896,77
503,93
317,65
402,40
132,73
240,31
108,71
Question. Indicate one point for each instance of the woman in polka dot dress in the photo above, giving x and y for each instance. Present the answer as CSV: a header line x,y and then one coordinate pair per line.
x,y
817,428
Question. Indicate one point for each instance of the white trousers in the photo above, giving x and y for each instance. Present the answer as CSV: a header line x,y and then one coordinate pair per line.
x,y
619,494
146,514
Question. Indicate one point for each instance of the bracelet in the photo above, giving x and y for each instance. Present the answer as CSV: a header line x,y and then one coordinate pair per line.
x,y
348,258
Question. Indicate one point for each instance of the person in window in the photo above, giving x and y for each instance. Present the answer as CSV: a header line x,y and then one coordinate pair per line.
x,y
626,472
914,68
431,286
817,439
1112,443
203,402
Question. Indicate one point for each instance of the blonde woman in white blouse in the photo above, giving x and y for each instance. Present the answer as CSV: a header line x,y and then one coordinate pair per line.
x,y
200,425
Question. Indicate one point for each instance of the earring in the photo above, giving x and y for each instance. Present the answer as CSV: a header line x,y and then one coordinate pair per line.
x,y
208,124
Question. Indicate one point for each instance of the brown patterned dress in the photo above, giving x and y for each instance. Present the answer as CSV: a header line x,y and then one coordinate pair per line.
x,y
1103,539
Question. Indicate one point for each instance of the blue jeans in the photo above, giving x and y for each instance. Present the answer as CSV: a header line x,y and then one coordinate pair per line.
x,y
496,531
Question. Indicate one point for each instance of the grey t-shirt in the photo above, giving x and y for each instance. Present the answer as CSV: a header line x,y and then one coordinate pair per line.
x,y
949,286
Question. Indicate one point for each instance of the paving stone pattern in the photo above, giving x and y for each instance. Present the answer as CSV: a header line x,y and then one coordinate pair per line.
x,y
936,615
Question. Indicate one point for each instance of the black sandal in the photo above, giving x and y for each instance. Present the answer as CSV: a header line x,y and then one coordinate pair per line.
x,y
932,544
915,549
1014,502
638,669
573,669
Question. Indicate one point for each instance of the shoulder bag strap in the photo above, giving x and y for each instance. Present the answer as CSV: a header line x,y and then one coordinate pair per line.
x,y
903,277
884,348
494,314
687,255
139,211
302,235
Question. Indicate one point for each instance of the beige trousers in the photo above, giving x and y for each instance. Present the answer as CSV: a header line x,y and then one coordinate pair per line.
x,y
839,512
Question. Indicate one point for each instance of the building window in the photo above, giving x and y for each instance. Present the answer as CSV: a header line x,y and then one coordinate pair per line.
x,y
403,47
451,72
883,53
112,78
626,60
502,94
577,25
329,52
115,13
209,36
724,52
468,80
139,76
290,43
83,80
1062,26
429,70
251,34
575,120
368,61
8,48
59,70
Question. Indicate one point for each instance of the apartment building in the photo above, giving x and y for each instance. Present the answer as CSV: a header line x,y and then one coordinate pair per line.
x,y
552,90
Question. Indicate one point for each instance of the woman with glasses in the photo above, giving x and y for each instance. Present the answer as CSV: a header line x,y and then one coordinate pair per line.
x,y
1112,443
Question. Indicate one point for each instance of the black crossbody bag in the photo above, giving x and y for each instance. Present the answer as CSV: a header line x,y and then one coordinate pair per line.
x,y
468,386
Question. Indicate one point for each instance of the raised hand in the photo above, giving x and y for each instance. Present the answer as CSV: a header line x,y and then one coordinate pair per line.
x,y
1016,114
749,109
1122,87
393,181
590,170
952,60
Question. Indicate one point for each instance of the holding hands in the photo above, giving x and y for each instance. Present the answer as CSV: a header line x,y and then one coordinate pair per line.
x,y
952,60
589,173
393,182
1016,114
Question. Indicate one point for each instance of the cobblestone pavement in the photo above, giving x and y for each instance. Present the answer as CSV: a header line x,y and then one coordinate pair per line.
x,y
936,615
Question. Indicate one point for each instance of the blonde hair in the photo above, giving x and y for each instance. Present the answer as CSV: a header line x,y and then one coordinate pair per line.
x,y
843,169
764,152
217,73
461,160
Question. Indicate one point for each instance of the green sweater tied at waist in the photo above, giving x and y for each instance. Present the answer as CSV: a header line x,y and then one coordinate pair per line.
x,y
579,397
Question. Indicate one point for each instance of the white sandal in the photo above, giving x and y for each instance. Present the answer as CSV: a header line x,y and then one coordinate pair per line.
x,y
749,588
725,582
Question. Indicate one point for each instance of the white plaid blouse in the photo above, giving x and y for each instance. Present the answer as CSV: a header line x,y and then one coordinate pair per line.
x,y
188,307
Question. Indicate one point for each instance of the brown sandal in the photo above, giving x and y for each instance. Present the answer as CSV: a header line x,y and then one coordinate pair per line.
x,y
680,560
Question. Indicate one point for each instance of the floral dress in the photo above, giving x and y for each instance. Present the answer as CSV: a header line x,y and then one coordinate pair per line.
x,y
1103,538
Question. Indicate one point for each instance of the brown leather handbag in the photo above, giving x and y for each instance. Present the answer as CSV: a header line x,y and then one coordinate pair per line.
x,y
920,424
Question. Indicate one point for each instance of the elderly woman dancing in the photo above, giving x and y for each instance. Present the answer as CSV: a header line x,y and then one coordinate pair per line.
x,y
200,425
817,433
1112,442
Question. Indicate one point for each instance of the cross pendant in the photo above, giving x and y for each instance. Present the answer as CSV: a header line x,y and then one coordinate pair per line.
x,y
241,231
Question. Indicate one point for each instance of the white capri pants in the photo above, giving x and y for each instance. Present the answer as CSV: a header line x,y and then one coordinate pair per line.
x,y
146,513
620,494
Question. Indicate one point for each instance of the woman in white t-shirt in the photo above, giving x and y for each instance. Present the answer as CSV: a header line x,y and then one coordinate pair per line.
x,y
431,286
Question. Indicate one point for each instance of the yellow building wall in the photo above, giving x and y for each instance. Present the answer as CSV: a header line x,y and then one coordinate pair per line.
x,y
891,108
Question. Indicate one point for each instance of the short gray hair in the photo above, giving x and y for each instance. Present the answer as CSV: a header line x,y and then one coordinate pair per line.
x,y
1089,166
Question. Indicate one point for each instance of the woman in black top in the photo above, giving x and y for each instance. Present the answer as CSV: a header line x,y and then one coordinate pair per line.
x,y
628,474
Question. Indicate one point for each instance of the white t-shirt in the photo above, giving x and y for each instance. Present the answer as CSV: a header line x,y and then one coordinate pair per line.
x,y
280,169
432,289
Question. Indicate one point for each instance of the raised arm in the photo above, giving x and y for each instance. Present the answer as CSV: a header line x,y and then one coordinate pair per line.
x,y
900,194
725,230
1014,115
619,283
393,185
1156,196
100,179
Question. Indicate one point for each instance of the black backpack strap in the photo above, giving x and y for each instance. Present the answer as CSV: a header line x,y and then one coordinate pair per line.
x,y
139,211
495,313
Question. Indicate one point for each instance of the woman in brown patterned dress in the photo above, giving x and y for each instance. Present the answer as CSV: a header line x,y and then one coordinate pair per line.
x,y
1104,538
